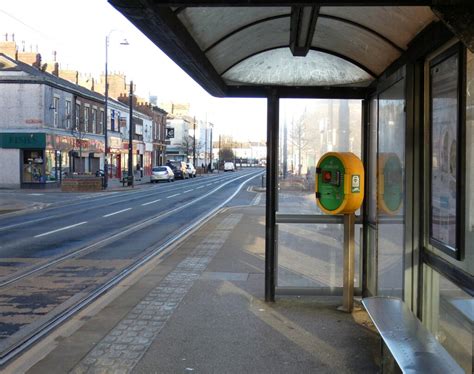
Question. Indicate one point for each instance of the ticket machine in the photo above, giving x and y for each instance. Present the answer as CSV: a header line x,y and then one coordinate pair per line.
x,y
339,183
340,190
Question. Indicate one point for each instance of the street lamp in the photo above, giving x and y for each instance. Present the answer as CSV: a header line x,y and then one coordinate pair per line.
x,y
106,94
130,137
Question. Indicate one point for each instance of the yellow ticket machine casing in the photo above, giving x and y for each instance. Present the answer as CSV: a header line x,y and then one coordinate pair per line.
x,y
339,183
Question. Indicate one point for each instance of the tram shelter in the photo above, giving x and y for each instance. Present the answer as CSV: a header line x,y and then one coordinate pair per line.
x,y
409,66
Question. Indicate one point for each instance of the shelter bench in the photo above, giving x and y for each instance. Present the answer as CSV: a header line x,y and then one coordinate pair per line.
x,y
412,346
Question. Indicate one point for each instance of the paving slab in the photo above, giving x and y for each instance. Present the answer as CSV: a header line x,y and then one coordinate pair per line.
x,y
202,310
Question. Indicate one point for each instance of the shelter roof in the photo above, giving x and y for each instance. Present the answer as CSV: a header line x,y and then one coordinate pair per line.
x,y
254,43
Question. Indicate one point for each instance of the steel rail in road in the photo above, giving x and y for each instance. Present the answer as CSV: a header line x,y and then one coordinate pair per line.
x,y
108,239
136,195
16,349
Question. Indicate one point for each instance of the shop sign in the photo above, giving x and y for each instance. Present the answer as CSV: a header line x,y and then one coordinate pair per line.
x,y
33,121
115,142
169,133
59,142
22,140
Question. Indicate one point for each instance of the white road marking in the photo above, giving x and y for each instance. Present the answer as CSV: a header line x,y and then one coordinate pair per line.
x,y
257,199
208,184
151,202
197,188
61,229
188,191
26,222
176,194
120,211
36,194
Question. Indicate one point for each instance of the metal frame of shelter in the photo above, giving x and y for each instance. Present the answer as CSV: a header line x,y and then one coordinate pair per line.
x,y
160,21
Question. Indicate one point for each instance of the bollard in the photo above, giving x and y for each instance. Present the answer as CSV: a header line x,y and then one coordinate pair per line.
x,y
263,181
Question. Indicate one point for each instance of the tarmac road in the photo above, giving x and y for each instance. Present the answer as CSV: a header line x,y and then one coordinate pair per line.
x,y
51,258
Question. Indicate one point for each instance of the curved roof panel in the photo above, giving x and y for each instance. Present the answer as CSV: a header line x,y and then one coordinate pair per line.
x,y
209,25
280,67
365,47
398,24
249,41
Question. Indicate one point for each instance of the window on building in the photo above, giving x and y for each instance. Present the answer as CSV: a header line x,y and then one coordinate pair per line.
x,y
112,120
68,114
87,125
77,125
94,120
56,111
100,130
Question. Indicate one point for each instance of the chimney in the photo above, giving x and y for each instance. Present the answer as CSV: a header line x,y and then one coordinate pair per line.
x,y
30,58
8,48
52,68
69,75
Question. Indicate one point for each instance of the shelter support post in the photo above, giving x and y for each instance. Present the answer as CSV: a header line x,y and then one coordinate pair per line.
x,y
348,272
271,191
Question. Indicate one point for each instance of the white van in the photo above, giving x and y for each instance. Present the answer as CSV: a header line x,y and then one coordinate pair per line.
x,y
229,166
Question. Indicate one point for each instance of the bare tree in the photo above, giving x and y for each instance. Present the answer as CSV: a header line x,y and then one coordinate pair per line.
x,y
299,139
190,144
226,154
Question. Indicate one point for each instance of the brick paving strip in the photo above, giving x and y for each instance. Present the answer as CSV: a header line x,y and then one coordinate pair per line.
x,y
126,343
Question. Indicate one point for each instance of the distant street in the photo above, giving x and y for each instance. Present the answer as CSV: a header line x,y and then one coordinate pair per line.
x,y
51,259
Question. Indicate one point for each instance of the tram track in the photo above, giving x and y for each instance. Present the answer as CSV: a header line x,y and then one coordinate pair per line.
x,y
108,238
23,343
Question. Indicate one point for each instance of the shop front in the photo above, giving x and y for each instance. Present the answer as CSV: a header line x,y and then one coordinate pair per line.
x,y
23,156
68,156
116,157
39,160
158,156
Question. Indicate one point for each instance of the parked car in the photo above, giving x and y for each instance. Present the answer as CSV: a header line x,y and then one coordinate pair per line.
x,y
191,170
229,166
161,173
179,169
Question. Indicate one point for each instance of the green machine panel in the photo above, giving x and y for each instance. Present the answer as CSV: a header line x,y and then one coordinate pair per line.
x,y
331,183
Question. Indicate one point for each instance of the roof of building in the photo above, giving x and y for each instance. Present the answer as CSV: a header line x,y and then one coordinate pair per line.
x,y
33,74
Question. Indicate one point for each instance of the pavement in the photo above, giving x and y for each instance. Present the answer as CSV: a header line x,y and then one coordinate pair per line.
x,y
199,308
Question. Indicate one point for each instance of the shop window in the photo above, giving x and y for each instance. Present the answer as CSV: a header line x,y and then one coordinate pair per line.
x,y
33,166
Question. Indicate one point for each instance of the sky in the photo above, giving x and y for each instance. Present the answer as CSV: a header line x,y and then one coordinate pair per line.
x,y
77,30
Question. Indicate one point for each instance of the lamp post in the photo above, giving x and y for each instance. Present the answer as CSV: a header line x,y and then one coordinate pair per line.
x,y
106,94
130,138
194,141
210,147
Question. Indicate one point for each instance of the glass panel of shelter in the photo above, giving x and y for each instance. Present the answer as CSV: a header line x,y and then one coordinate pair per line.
x,y
310,256
447,304
390,190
